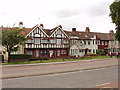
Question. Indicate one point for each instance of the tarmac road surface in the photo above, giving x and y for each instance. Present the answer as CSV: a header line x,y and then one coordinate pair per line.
x,y
78,79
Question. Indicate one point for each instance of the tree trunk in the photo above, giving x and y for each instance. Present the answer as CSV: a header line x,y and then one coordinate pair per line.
x,y
8,57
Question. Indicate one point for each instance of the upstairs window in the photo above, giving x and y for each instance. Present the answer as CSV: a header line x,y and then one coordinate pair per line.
x,y
84,42
88,42
37,38
93,41
44,41
52,41
59,39
65,41
29,41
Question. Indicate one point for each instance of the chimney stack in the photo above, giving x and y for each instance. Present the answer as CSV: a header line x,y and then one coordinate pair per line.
x,y
20,25
87,29
73,29
111,32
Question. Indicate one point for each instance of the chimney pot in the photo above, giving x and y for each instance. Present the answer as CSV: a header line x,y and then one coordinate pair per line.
x,y
73,29
42,26
111,32
20,25
87,29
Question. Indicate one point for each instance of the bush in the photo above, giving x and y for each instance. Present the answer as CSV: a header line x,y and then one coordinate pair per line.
x,y
92,54
20,56
101,52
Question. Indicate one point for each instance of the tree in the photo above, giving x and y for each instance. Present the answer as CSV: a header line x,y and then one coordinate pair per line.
x,y
115,15
12,38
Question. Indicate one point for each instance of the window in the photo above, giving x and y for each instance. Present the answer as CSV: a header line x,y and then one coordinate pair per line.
x,y
52,41
37,54
84,42
44,41
58,41
29,41
106,43
65,41
93,41
80,42
96,42
63,51
88,42
37,35
43,52
89,50
102,42
29,52
37,40
58,52
72,52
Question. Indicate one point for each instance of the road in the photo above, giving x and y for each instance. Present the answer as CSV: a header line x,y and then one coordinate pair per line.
x,y
78,79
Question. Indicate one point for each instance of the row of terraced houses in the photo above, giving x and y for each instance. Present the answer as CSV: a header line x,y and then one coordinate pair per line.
x,y
60,43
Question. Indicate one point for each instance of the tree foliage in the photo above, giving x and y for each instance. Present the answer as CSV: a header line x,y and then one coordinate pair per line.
x,y
115,15
12,38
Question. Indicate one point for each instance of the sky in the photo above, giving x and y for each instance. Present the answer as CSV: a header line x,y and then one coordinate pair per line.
x,y
70,14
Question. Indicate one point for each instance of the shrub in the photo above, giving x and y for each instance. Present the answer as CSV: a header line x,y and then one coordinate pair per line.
x,y
20,56
92,54
101,52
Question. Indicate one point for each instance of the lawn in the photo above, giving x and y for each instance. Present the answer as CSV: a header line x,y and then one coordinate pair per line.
x,y
57,60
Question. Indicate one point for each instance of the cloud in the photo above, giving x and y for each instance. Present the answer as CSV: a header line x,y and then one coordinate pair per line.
x,y
99,9
66,13
3,13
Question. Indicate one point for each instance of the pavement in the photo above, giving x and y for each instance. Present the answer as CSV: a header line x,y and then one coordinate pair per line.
x,y
25,70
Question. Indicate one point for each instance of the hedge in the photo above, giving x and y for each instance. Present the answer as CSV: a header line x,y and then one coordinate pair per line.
x,y
101,52
20,56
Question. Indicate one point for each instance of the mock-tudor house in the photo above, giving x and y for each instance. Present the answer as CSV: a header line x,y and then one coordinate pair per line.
x,y
59,43
47,43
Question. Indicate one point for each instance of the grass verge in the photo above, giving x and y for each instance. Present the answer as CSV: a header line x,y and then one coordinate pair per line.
x,y
57,60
